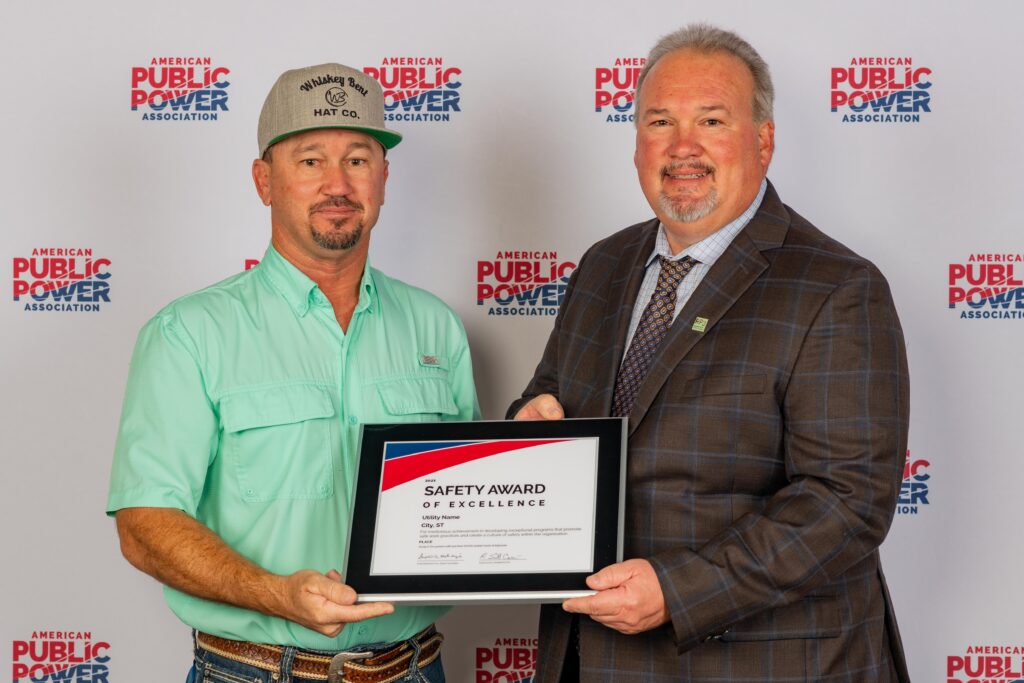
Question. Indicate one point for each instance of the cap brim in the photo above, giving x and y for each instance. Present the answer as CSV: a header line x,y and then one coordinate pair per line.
x,y
388,138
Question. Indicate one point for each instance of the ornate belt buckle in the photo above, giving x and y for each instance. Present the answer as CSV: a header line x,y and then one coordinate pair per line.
x,y
335,674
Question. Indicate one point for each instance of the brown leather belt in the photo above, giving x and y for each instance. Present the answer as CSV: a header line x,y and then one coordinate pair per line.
x,y
348,667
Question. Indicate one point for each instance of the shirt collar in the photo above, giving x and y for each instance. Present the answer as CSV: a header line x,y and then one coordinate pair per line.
x,y
302,293
709,249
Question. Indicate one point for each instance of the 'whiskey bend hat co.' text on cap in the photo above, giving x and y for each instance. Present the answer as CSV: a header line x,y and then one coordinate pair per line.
x,y
324,96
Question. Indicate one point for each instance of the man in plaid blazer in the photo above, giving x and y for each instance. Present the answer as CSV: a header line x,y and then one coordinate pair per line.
x,y
767,418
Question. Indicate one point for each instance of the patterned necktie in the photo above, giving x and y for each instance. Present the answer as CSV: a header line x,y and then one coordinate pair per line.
x,y
650,331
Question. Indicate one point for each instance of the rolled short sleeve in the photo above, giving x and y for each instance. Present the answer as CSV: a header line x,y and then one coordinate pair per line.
x,y
168,432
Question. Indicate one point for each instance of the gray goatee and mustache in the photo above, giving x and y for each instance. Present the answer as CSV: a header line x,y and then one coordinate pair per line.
x,y
682,207
337,239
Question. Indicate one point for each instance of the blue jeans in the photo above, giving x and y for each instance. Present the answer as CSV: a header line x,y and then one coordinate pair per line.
x,y
212,668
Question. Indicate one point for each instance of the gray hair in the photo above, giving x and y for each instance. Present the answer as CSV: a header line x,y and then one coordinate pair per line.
x,y
707,38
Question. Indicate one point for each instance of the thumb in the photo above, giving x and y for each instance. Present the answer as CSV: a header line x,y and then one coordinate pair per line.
x,y
550,408
333,590
334,575
612,576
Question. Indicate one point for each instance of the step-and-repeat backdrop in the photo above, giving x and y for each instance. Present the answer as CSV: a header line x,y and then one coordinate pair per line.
x,y
127,136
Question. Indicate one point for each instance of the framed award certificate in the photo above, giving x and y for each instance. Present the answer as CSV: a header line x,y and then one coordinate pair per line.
x,y
496,511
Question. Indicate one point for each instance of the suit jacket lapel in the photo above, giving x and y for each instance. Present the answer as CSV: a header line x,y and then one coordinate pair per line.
x,y
623,286
733,273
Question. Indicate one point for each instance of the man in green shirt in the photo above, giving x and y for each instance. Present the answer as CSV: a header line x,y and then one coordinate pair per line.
x,y
235,460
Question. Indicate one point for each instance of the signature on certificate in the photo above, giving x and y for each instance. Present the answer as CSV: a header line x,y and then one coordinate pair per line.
x,y
499,557
440,557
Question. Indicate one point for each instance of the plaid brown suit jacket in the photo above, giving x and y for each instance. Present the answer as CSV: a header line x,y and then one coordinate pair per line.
x,y
765,458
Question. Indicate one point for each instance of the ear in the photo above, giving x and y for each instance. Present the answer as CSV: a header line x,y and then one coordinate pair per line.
x,y
261,178
766,142
384,182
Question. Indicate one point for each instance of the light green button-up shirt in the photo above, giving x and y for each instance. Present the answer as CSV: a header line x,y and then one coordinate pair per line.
x,y
243,408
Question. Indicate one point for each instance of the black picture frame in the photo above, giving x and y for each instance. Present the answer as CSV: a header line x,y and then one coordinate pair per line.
x,y
463,588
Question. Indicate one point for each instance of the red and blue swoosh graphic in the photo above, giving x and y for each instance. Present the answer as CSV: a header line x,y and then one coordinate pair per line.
x,y
410,460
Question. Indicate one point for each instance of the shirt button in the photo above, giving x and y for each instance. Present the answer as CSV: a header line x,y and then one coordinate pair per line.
x,y
353,420
362,630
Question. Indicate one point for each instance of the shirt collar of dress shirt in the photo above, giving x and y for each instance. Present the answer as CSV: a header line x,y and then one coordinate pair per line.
x,y
302,293
711,247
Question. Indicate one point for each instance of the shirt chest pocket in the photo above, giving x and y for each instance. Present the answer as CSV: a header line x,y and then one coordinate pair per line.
x,y
278,441
416,399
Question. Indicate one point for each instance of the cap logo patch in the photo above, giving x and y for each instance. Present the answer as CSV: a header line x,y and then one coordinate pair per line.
x,y
335,97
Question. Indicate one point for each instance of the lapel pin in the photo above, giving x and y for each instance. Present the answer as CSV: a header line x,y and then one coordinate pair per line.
x,y
700,324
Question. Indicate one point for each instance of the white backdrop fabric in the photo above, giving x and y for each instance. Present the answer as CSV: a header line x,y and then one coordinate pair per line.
x,y
518,149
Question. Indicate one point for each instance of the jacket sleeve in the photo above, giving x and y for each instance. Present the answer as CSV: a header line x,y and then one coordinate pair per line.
x,y
845,420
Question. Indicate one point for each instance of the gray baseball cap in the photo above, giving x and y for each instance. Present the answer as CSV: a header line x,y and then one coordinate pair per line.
x,y
324,96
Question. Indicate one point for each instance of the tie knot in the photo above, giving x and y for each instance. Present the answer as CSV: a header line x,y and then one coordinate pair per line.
x,y
673,272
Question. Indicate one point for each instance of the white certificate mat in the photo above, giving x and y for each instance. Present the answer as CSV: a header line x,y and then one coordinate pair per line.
x,y
498,505
496,511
